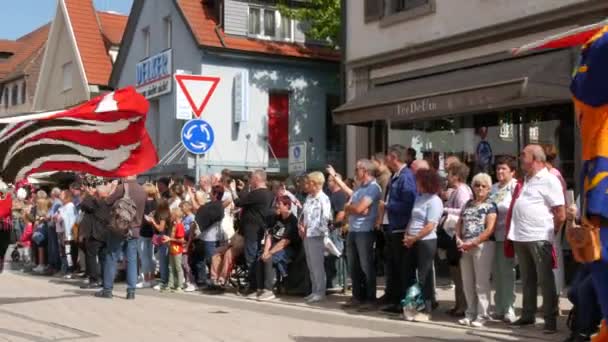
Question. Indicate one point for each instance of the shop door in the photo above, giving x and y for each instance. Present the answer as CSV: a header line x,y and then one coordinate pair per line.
x,y
278,125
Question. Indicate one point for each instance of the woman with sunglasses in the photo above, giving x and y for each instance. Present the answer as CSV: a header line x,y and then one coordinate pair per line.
x,y
475,238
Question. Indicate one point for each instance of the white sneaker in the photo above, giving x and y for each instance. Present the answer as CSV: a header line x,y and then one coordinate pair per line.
x,y
140,285
309,296
478,323
38,269
157,287
315,299
190,288
510,318
465,322
422,317
266,296
254,295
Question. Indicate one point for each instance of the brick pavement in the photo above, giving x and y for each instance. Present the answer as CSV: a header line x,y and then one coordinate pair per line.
x,y
44,309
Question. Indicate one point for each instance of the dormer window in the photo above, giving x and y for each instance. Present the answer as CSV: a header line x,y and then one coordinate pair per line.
x,y
267,23
4,55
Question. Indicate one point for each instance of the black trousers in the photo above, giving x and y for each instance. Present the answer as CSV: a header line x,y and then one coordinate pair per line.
x,y
94,257
397,277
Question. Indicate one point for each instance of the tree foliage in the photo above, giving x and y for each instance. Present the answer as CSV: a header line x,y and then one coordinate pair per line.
x,y
322,17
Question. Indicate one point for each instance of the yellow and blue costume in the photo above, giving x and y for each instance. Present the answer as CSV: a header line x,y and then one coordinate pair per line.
x,y
590,92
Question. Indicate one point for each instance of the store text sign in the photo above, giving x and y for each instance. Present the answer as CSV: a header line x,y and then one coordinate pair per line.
x,y
416,107
154,75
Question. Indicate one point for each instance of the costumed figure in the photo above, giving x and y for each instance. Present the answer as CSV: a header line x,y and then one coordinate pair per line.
x,y
590,242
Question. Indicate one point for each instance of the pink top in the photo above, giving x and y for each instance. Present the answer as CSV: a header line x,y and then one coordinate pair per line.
x,y
556,173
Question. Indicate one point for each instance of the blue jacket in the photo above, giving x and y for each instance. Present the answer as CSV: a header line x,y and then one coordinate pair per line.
x,y
402,195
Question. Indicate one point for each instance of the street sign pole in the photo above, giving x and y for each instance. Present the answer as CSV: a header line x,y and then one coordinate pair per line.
x,y
198,167
197,135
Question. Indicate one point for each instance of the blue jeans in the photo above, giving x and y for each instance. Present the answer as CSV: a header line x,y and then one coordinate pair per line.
x,y
360,254
203,261
115,246
145,250
163,263
54,258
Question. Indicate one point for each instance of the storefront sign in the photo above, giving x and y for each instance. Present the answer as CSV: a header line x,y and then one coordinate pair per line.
x,y
154,75
416,107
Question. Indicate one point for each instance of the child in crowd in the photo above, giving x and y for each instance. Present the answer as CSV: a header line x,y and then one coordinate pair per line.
x,y
187,221
25,243
175,239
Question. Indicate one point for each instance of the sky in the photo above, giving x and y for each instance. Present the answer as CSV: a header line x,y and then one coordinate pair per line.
x,y
19,17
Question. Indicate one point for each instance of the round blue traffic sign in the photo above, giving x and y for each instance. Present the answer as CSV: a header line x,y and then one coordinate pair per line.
x,y
296,152
197,136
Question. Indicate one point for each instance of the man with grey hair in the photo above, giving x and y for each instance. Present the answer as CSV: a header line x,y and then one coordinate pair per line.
x,y
399,202
362,211
257,207
538,214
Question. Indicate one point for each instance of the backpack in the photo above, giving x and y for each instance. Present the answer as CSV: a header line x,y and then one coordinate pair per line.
x,y
123,214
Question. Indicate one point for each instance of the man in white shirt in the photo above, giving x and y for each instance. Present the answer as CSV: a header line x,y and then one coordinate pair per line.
x,y
537,216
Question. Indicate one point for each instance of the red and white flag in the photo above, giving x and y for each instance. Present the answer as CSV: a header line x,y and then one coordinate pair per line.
x,y
105,137
574,37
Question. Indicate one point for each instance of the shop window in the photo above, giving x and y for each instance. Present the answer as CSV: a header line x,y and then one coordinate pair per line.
x,y
146,38
479,139
406,5
268,23
15,95
402,10
67,76
168,32
23,92
5,97
373,9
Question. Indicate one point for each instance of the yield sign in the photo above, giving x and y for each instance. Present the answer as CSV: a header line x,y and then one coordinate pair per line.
x,y
198,90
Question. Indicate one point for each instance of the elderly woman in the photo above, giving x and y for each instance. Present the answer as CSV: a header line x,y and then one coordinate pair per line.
x,y
475,238
504,267
313,227
421,237
461,193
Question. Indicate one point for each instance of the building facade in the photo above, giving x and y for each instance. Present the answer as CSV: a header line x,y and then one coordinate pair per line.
x,y
450,85
82,46
275,88
20,62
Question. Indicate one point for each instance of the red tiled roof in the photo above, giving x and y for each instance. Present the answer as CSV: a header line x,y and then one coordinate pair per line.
x,y
89,40
202,22
25,49
112,26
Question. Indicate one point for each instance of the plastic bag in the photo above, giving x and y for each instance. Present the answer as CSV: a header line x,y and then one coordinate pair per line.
x,y
413,301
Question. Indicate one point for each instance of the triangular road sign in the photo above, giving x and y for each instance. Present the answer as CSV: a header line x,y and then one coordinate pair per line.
x,y
198,90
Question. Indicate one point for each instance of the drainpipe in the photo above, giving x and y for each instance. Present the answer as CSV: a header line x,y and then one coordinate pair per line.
x,y
218,27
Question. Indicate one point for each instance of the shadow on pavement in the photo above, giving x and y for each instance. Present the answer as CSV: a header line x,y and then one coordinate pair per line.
x,y
377,339
20,300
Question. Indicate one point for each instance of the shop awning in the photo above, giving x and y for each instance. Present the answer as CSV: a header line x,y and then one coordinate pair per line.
x,y
537,79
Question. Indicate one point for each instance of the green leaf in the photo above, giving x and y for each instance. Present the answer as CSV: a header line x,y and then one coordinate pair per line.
x,y
323,16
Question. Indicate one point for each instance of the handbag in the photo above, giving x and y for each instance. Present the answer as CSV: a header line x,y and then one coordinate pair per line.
x,y
585,239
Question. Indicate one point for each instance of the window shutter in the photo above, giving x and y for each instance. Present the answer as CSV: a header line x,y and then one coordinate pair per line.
x,y
373,10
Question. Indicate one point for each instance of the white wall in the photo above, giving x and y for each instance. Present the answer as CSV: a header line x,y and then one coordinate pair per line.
x,y
307,109
451,17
